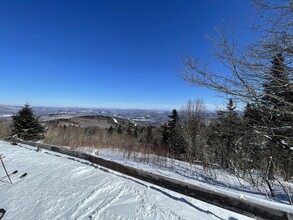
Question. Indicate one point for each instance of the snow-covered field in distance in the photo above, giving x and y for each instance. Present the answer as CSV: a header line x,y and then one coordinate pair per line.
x,y
61,187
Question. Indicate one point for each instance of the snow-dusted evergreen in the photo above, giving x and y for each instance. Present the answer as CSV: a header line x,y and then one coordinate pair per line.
x,y
26,125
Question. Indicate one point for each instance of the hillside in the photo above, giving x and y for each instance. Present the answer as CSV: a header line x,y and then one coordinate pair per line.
x,y
92,121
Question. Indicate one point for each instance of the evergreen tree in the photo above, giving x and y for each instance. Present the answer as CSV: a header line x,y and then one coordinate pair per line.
x,y
276,115
149,135
273,119
253,143
229,130
165,135
26,125
129,129
119,129
172,136
135,134
275,87
252,115
173,119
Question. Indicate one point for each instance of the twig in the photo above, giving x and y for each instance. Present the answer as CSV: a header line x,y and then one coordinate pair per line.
x,y
269,185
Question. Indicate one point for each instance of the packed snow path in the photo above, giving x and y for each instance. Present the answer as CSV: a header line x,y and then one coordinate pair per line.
x,y
61,187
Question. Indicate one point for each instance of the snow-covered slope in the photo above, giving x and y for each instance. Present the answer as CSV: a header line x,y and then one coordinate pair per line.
x,y
61,187
218,180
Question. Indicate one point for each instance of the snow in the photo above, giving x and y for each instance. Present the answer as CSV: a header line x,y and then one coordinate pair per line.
x,y
115,120
141,119
62,187
5,115
218,180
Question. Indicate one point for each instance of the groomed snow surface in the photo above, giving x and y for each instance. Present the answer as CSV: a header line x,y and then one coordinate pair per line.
x,y
216,179
62,187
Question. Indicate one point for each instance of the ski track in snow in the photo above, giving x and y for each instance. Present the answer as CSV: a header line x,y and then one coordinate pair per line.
x,y
100,209
59,187
90,200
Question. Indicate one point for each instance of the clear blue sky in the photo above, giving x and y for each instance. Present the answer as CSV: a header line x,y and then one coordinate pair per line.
x,y
103,53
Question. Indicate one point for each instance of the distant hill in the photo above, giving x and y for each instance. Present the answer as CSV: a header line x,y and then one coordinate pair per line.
x,y
8,109
139,116
93,121
135,116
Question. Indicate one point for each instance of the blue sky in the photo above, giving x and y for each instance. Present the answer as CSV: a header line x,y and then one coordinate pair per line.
x,y
103,53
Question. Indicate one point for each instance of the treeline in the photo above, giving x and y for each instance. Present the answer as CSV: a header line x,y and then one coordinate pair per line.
x,y
259,136
231,139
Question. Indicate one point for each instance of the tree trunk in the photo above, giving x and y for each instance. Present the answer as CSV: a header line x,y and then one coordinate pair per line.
x,y
271,168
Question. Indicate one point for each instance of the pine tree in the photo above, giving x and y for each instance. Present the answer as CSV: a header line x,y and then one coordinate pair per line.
x,y
135,134
229,130
253,143
119,129
149,135
165,136
276,115
129,129
173,119
174,138
275,87
252,115
26,125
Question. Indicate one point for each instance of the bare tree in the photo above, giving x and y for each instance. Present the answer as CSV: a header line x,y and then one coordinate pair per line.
x,y
244,71
193,117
